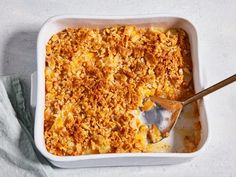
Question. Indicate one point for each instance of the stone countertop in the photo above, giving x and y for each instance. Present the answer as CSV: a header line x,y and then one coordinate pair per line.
x,y
20,21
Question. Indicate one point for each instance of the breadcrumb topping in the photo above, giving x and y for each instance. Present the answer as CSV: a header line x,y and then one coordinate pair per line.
x,y
97,79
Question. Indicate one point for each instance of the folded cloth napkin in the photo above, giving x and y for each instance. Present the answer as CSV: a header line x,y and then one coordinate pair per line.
x,y
17,152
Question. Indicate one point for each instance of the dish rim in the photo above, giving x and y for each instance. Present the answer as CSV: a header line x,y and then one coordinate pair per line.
x,y
38,133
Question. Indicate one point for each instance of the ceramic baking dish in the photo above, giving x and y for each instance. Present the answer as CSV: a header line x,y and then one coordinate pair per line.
x,y
58,23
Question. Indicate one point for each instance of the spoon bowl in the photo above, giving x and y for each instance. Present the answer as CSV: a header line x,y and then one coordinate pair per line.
x,y
164,114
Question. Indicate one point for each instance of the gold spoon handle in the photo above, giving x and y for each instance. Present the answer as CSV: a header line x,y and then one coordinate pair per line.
x,y
210,90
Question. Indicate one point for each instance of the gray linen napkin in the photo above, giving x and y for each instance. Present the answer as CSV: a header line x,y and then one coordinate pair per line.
x,y
17,154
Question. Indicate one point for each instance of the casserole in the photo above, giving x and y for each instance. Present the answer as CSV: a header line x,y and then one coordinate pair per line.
x,y
59,23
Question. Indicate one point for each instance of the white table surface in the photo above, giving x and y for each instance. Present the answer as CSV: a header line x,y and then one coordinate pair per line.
x,y
20,22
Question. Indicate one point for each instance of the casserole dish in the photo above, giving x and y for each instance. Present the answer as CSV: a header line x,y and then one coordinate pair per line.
x,y
175,155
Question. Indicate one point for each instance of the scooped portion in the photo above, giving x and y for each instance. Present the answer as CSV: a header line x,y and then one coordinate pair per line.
x,y
96,82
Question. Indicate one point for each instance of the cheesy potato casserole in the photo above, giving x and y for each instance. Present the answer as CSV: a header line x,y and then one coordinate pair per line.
x,y
96,81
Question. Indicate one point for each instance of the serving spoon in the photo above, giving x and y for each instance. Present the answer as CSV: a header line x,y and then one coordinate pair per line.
x,y
165,113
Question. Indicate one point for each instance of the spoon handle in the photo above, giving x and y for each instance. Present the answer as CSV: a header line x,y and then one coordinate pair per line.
x,y
210,90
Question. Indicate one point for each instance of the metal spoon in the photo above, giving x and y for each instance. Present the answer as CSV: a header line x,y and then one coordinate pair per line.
x,y
165,113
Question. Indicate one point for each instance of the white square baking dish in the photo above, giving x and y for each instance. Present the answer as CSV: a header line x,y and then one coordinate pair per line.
x,y
58,23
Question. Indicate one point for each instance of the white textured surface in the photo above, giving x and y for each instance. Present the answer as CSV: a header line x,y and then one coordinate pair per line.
x,y
20,22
